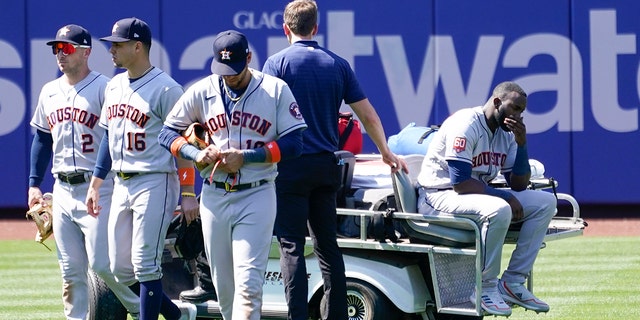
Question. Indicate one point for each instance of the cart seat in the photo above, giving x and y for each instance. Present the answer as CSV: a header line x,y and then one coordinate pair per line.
x,y
453,231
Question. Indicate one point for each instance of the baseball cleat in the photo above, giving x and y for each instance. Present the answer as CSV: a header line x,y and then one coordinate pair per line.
x,y
198,295
517,293
492,303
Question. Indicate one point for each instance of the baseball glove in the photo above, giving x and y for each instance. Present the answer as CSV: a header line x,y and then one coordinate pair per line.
x,y
197,135
189,239
41,214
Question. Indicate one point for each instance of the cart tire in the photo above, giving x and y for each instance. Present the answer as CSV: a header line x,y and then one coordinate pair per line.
x,y
365,302
103,303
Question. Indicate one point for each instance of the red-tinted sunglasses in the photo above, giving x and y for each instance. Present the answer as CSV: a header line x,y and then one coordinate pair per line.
x,y
66,48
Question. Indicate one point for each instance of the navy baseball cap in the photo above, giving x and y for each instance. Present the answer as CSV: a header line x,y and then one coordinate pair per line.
x,y
73,34
230,51
129,29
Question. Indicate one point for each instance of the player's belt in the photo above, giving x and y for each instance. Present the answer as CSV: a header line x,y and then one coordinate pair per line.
x,y
73,177
238,187
127,175
435,189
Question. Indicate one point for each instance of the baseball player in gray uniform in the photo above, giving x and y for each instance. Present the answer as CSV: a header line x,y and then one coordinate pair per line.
x,y
66,122
147,188
470,149
254,122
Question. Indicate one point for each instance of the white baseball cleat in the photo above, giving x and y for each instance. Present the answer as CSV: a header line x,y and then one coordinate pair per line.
x,y
492,303
517,293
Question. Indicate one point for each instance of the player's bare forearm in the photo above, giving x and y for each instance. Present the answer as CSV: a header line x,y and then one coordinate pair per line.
x,y
93,196
373,126
35,194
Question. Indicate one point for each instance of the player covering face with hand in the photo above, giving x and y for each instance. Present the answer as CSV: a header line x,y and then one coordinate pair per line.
x,y
254,122
472,146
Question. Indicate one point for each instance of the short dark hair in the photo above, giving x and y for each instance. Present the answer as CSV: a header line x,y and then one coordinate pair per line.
x,y
504,88
301,16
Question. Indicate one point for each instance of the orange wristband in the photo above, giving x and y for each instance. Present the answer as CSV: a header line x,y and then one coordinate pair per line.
x,y
176,145
187,176
274,151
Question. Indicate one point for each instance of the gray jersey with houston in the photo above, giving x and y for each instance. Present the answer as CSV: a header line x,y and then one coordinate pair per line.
x,y
134,114
463,138
250,123
71,114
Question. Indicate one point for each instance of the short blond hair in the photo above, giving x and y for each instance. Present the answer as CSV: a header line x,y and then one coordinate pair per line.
x,y
301,16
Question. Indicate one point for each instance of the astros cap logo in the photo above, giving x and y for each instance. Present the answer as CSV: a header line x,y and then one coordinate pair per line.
x,y
225,55
63,31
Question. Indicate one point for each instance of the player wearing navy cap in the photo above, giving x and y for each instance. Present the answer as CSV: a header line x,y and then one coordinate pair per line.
x,y
147,187
254,122
320,81
66,120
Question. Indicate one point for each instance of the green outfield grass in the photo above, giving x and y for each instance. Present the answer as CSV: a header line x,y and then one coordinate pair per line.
x,y
581,278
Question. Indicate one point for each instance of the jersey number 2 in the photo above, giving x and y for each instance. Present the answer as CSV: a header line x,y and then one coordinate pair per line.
x,y
87,143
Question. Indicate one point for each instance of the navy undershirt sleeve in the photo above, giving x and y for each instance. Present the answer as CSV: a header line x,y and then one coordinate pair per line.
x,y
291,145
103,163
459,171
41,149
166,137
521,164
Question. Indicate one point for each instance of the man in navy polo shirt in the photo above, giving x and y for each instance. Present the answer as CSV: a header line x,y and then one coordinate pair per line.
x,y
320,81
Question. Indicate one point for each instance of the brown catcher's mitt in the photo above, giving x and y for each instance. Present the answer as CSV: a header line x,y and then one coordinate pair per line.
x,y
42,215
197,135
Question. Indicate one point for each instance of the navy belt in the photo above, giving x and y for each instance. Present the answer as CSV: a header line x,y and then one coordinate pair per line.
x,y
435,189
73,178
238,187
127,175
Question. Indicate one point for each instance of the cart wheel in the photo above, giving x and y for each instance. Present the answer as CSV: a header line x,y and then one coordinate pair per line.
x,y
364,302
103,303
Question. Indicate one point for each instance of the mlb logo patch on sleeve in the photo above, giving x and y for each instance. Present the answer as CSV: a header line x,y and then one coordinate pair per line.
x,y
459,144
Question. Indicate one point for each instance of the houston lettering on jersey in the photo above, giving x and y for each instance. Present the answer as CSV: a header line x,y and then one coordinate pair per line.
x,y
489,158
72,114
241,119
128,112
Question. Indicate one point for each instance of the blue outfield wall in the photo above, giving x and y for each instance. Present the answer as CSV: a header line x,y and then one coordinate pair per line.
x,y
418,61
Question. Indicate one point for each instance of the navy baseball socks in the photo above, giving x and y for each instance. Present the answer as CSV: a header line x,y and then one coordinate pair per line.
x,y
152,303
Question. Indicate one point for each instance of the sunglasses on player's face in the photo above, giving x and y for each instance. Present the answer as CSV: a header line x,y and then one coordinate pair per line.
x,y
65,48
